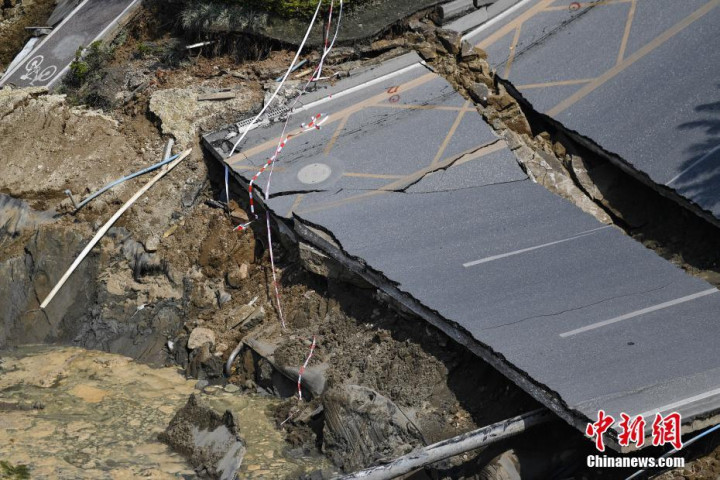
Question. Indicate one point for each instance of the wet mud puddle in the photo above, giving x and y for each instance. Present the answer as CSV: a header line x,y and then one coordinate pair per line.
x,y
70,413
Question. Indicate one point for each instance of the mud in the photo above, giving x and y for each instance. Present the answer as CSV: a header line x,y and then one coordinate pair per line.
x,y
73,413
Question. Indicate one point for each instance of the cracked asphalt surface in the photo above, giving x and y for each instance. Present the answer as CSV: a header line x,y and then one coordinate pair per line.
x,y
407,177
639,78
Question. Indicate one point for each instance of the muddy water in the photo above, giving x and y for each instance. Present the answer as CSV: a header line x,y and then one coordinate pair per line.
x,y
73,413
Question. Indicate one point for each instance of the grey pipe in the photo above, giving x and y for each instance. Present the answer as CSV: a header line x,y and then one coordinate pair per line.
x,y
453,446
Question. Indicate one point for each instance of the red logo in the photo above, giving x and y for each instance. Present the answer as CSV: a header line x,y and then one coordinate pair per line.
x,y
667,430
632,430
598,428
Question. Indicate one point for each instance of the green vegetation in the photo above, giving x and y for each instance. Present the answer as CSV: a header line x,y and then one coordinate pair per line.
x,y
10,472
88,63
290,8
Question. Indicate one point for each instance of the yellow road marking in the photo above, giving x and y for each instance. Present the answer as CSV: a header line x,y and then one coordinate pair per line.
x,y
295,204
655,43
481,152
337,133
451,132
626,34
513,49
335,117
510,26
554,84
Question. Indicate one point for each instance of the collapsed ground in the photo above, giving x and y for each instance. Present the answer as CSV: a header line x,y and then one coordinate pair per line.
x,y
172,266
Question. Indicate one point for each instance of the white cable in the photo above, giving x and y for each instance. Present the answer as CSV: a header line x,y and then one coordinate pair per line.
x,y
289,70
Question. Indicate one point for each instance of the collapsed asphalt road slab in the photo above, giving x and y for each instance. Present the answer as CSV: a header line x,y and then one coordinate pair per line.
x,y
638,79
91,20
406,185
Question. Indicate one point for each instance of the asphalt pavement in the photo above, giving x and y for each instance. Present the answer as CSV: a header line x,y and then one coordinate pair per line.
x,y
638,78
50,59
406,176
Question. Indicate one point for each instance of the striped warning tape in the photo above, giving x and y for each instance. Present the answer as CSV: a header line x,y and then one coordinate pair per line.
x,y
304,366
315,123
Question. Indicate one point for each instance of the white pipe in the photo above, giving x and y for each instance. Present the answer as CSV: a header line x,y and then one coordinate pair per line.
x,y
109,224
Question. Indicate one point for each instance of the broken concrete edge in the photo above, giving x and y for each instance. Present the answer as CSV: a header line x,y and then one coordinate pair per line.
x,y
613,158
406,303
208,439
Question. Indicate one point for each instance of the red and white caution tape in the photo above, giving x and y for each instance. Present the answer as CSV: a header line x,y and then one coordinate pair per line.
x,y
314,124
304,366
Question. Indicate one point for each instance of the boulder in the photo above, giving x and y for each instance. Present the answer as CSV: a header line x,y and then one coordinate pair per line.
x,y
199,337
208,440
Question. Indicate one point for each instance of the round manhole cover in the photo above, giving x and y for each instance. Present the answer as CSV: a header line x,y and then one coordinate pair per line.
x,y
314,173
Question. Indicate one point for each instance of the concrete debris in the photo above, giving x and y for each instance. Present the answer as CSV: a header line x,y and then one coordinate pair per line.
x,y
223,297
182,115
210,441
317,262
217,96
199,337
363,427
152,243
248,317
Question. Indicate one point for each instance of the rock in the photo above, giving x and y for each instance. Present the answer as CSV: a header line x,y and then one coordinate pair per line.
x,y
427,52
181,114
208,440
248,317
236,275
205,366
477,65
199,337
467,51
480,93
317,262
515,119
200,384
202,296
220,348
230,388
384,45
238,215
450,40
362,427
501,102
223,297
415,25
152,243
